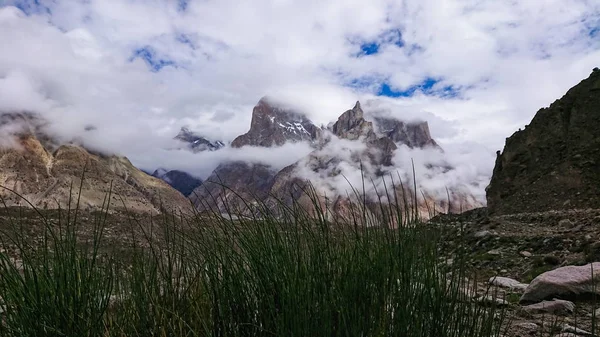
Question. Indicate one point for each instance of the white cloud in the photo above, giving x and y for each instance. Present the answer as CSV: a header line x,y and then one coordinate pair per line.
x,y
73,63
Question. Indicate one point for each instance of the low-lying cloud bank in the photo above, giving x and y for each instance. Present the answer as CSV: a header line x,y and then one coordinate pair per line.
x,y
463,169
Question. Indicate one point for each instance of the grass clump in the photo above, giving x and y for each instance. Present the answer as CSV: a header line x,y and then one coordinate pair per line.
x,y
293,274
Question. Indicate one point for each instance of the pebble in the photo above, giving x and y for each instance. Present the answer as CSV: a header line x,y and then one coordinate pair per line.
x,y
525,254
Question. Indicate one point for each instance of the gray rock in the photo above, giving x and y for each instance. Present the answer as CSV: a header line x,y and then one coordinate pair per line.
x,y
577,331
494,252
487,299
556,306
482,234
569,281
527,326
525,254
505,282
565,223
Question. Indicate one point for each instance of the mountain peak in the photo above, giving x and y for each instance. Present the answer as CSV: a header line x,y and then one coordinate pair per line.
x,y
196,142
352,125
273,125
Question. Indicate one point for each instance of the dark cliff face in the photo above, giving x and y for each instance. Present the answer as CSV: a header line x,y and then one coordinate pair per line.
x,y
554,163
231,186
179,180
275,126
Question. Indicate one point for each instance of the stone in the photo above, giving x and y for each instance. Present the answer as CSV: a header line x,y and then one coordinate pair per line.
x,y
482,234
530,327
564,282
565,223
505,282
525,254
574,330
556,306
494,252
491,300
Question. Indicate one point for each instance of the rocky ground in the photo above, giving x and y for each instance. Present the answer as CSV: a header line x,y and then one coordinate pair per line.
x,y
504,255
518,248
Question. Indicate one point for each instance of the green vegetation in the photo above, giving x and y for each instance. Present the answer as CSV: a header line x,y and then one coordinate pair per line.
x,y
290,275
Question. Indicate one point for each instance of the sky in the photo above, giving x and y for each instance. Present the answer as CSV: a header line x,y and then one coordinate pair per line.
x,y
138,70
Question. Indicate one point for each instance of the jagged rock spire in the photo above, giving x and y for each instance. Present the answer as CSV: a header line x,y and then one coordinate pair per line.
x,y
352,125
273,125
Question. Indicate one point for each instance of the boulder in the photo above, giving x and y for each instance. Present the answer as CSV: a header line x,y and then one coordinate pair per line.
x,y
564,282
556,307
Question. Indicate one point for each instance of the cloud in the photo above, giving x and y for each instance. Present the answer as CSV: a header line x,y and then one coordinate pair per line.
x,y
201,165
342,166
139,70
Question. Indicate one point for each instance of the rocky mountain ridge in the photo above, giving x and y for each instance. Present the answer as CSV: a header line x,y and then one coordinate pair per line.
x,y
352,141
196,142
554,162
46,172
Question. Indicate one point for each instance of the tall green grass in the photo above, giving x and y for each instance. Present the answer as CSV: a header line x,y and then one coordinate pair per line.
x,y
294,274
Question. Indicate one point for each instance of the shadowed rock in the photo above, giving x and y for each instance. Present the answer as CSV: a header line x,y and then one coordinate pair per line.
x,y
554,163
274,126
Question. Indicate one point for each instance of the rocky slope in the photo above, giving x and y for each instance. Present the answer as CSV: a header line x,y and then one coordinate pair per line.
x,y
546,254
352,144
43,172
554,163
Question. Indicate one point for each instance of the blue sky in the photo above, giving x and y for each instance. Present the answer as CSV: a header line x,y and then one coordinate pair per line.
x,y
139,70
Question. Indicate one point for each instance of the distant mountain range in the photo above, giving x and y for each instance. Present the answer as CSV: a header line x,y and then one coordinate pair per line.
x,y
352,141
357,143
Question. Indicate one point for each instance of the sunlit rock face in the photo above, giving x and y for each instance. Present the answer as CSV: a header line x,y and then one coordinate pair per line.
x,y
48,174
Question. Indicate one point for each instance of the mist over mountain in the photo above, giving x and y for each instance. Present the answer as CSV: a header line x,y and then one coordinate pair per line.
x,y
352,150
